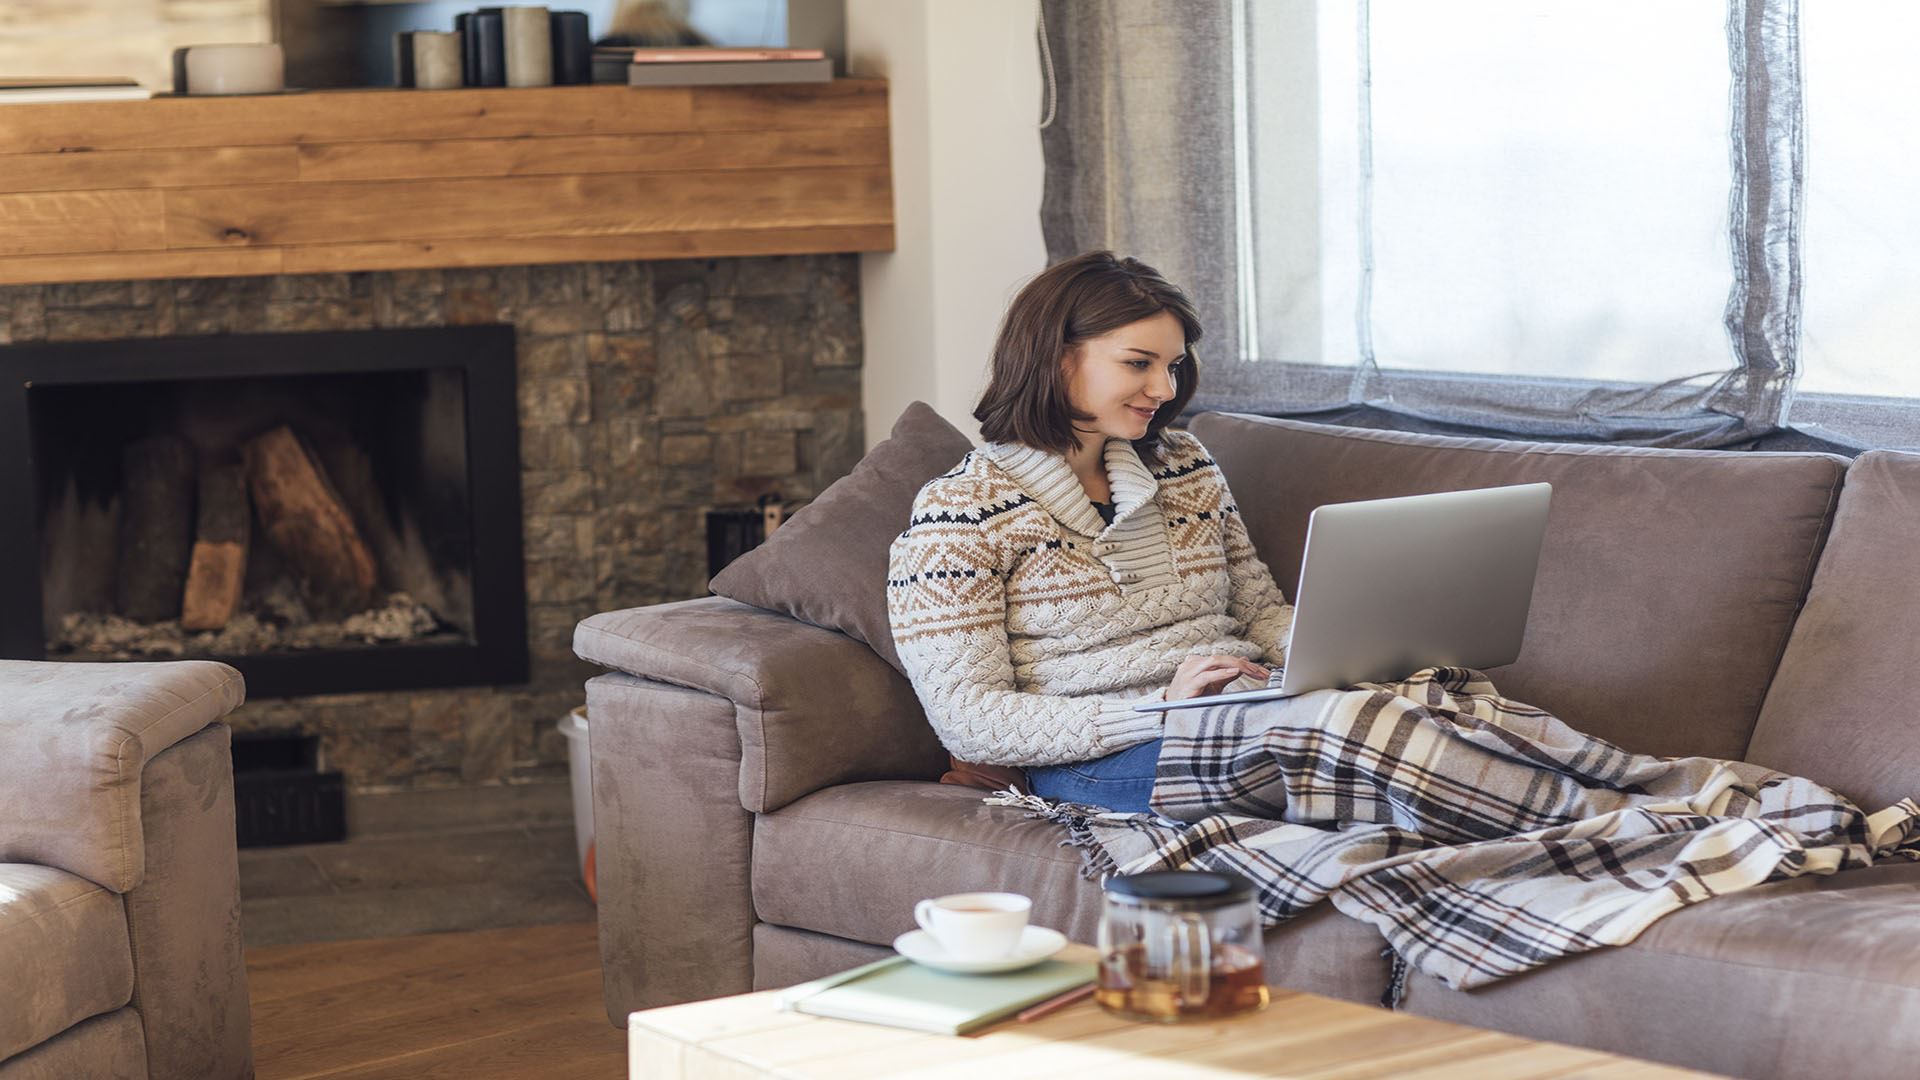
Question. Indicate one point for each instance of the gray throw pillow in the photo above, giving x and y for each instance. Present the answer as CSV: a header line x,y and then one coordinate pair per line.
x,y
827,565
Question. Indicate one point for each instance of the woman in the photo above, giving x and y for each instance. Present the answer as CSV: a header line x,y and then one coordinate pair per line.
x,y
1087,556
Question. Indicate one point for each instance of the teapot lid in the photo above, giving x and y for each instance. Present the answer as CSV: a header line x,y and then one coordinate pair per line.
x,y
1206,887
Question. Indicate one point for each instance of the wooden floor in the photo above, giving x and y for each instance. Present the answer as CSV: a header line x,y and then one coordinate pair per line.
x,y
520,1002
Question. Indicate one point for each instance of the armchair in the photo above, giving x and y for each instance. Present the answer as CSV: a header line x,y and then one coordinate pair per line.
x,y
119,879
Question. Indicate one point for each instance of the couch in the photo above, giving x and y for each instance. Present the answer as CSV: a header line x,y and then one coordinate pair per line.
x,y
766,810
119,882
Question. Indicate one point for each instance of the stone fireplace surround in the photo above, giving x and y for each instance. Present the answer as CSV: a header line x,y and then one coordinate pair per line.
x,y
649,392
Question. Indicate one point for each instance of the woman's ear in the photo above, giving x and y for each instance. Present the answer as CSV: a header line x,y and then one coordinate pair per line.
x,y
1070,361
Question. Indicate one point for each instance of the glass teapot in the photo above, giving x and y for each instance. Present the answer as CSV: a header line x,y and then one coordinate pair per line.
x,y
1180,945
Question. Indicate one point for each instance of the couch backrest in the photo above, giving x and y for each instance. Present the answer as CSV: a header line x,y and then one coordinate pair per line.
x,y
1667,586
1841,707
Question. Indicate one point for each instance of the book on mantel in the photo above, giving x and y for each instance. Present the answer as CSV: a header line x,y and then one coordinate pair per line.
x,y
708,54
900,993
708,66
20,89
728,72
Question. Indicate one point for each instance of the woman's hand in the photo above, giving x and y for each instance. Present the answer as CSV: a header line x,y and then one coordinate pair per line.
x,y
1199,676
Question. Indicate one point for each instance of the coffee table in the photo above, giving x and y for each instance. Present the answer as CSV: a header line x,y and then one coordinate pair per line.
x,y
1300,1035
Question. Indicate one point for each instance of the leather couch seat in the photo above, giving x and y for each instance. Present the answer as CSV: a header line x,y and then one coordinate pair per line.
x,y
64,951
1734,984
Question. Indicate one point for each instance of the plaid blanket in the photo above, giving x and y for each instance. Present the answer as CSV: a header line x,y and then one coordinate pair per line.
x,y
1481,836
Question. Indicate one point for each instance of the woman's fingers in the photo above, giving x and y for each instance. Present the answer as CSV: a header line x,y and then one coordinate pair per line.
x,y
1207,667
1200,676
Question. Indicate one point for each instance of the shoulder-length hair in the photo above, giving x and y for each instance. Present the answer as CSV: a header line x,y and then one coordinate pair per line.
x,y
1083,297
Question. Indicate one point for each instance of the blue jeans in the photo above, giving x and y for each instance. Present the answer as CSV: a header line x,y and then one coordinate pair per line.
x,y
1121,781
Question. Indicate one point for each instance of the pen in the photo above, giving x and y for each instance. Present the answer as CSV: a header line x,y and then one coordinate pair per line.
x,y
1054,1004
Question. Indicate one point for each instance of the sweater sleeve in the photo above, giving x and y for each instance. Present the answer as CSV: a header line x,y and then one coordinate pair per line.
x,y
946,601
1254,601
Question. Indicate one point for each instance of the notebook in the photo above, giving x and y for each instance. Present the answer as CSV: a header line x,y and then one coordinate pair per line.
x,y
900,993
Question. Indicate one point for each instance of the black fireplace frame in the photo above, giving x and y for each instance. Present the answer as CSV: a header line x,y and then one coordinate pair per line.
x,y
498,654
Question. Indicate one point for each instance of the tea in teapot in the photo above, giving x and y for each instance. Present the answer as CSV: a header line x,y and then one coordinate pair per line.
x,y
1180,945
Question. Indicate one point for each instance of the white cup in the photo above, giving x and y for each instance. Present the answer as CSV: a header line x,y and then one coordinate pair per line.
x,y
234,69
975,925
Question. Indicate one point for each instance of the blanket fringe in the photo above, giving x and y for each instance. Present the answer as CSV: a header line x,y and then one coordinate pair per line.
x,y
1396,991
1075,818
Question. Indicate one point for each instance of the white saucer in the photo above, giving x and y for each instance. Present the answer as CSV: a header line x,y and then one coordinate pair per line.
x,y
1036,944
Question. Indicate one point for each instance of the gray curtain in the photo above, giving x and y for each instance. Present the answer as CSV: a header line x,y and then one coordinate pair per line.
x,y
1139,156
1140,159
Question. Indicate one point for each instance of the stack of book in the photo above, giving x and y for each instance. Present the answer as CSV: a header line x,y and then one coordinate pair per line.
x,y
709,66
21,89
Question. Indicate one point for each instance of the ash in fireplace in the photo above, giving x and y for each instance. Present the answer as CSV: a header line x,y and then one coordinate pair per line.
x,y
280,622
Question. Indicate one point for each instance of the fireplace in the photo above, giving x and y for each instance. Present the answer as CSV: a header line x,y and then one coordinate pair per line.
x,y
328,512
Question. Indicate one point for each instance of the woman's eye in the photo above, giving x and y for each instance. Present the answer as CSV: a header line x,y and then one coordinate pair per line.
x,y
1138,365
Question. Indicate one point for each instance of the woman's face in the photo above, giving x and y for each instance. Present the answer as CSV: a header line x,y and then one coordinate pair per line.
x,y
1122,377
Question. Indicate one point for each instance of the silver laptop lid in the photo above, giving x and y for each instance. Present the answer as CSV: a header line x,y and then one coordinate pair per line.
x,y
1390,586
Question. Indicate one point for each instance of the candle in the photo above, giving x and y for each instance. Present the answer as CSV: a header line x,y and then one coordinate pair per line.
x,y
234,69
529,46
403,58
436,59
572,49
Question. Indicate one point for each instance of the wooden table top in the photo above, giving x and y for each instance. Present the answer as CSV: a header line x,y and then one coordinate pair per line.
x,y
1298,1035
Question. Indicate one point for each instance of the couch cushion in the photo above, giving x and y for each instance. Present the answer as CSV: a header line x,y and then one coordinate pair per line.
x,y
852,860
1667,586
1836,712
105,1046
63,947
73,741
783,956
1818,976
828,565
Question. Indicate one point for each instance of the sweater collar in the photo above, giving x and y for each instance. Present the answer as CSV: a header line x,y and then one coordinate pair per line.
x,y
1049,479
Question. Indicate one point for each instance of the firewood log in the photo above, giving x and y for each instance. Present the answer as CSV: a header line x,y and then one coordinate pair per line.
x,y
303,518
219,566
156,527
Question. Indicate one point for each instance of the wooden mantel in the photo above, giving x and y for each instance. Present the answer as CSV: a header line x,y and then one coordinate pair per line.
x,y
401,179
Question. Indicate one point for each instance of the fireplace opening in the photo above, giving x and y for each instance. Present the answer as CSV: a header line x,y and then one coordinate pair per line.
x,y
327,512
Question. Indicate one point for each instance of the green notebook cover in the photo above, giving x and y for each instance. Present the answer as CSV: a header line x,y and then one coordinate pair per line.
x,y
901,993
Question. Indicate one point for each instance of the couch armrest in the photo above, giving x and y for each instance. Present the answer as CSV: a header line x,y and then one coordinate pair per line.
x,y
814,707
74,739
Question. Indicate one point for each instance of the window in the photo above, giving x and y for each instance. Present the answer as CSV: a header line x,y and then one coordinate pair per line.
x,y
1861,323
1620,204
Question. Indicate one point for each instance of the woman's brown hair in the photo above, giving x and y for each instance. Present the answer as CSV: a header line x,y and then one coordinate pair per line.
x,y
1083,297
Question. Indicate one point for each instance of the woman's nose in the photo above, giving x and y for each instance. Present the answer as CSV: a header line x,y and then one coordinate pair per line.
x,y
1167,388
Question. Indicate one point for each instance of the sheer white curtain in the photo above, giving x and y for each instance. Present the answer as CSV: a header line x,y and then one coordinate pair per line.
x,y
1862,321
1522,156
1547,220
1519,216
1550,188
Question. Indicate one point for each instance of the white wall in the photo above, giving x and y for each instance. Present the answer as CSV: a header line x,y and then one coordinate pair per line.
x,y
965,96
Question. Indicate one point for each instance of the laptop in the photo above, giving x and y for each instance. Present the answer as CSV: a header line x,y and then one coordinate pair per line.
x,y
1391,586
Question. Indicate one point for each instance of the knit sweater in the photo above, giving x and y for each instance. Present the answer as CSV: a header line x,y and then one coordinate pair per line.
x,y
1030,627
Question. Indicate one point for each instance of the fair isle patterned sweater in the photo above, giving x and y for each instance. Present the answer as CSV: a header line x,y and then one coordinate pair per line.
x,y
1029,625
